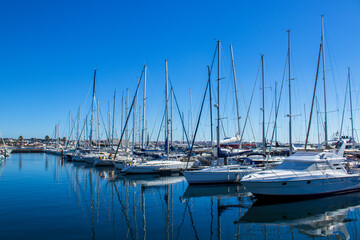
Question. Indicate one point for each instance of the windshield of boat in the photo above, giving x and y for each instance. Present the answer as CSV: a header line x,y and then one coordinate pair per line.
x,y
294,165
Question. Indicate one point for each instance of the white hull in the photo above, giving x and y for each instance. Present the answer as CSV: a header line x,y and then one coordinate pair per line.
x,y
155,167
224,174
304,188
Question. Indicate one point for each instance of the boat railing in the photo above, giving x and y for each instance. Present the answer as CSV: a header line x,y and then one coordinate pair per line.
x,y
294,173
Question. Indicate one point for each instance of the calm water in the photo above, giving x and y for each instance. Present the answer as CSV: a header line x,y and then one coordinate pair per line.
x,y
43,197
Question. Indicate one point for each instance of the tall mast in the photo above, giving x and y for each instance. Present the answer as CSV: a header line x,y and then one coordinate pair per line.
x,y
351,113
171,115
98,119
113,122
70,121
263,104
166,111
109,123
92,110
218,104
122,110
183,132
126,114
211,118
317,120
275,112
143,118
290,117
236,97
191,116
323,65
313,101
78,125
134,125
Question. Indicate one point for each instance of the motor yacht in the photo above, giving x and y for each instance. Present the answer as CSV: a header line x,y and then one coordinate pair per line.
x,y
304,175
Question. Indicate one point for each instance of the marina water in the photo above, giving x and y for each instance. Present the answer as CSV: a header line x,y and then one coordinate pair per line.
x,y
44,197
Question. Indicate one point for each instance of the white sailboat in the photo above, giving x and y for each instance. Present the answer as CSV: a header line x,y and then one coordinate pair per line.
x,y
155,166
221,173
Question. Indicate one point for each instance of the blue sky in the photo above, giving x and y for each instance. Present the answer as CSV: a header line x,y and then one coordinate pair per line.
x,y
49,50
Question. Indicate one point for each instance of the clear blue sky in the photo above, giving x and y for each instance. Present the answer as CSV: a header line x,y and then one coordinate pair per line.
x,y
49,50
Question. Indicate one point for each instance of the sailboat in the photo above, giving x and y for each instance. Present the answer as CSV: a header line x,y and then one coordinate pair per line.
x,y
171,164
220,173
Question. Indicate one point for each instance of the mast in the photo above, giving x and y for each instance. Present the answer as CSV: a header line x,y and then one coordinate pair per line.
x,y
166,111
323,66
236,97
290,137
351,112
122,110
92,110
109,123
134,126
171,116
218,104
143,118
263,104
78,125
113,122
191,117
126,114
313,101
211,118
98,119
275,115
183,132
317,120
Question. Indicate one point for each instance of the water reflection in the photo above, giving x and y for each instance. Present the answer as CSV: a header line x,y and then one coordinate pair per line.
x,y
317,218
98,203
150,180
217,190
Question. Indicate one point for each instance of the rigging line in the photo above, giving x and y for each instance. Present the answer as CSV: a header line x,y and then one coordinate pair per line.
x,y
87,95
106,132
63,133
160,129
332,58
357,96
248,108
343,113
268,125
128,116
82,130
181,118
277,107
197,125
157,116
72,129
312,102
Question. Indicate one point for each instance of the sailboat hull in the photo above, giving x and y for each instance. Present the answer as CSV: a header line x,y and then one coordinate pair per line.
x,y
226,174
